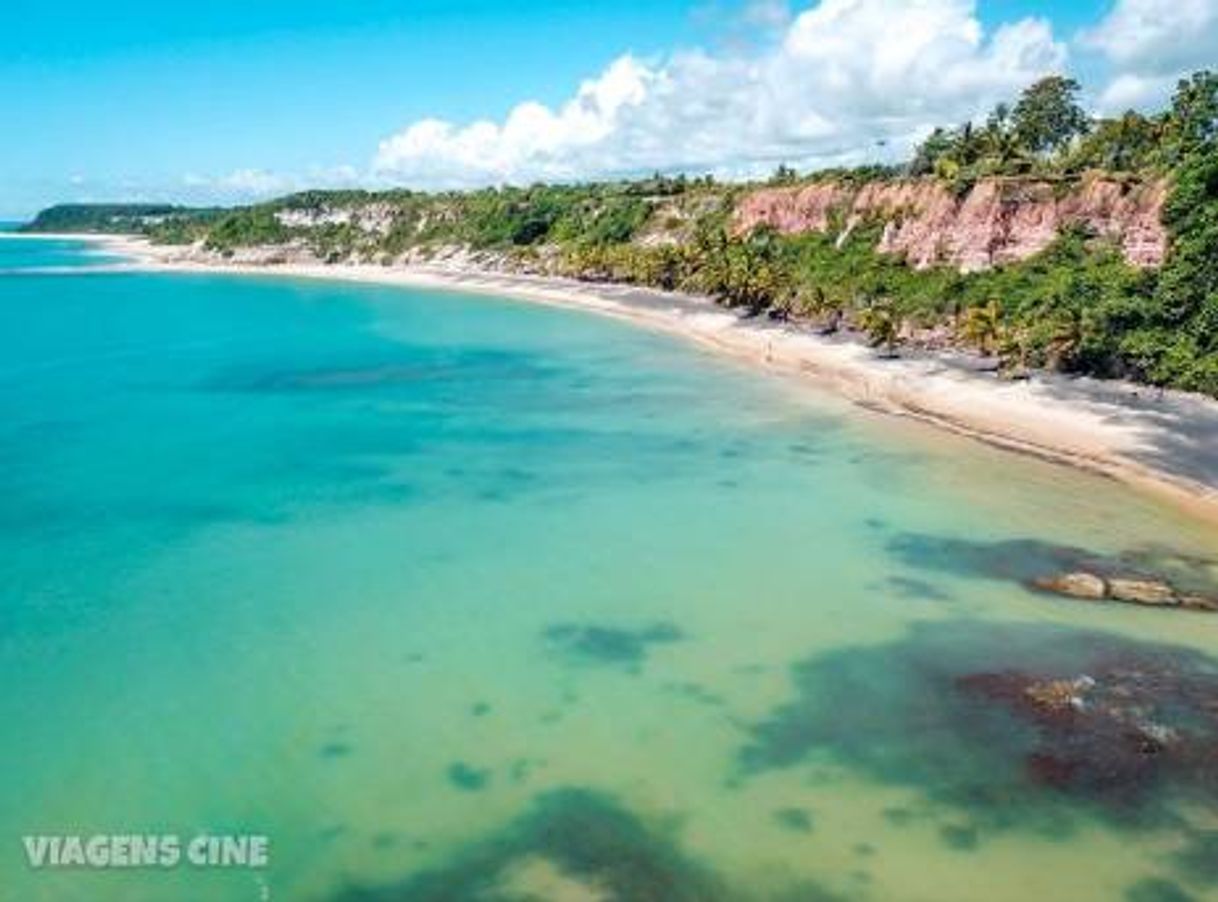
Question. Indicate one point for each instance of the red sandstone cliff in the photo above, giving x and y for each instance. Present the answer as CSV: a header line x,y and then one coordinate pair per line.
x,y
999,220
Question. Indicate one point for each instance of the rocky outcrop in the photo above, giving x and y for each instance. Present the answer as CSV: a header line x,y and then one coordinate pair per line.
x,y
1130,589
999,220
1115,731
1076,585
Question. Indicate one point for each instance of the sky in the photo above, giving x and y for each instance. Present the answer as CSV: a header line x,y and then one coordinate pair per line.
x,y
227,102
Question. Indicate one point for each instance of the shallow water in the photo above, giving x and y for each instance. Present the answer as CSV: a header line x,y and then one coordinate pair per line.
x,y
455,597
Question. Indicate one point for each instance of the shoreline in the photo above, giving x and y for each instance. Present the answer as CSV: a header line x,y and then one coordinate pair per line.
x,y
1163,444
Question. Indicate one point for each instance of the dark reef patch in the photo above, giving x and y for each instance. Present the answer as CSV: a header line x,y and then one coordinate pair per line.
x,y
797,820
916,589
898,817
587,836
696,692
805,449
1157,889
320,379
961,837
1149,575
522,768
812,891
1018,560
466,777
596,644
407,367
1198,860
1008,722
384,841
334,750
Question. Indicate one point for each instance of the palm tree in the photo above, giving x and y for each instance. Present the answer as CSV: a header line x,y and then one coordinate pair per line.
x,y
982,326
882,323
1016,347
1065,339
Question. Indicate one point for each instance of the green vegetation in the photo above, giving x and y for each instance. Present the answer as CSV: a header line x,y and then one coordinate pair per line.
x,y
1048,134
117,218
1076,307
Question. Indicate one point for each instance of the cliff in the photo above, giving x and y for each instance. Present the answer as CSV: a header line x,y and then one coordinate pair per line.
x,y
998,220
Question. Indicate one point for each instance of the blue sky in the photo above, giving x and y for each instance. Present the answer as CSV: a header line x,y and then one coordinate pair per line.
x,y
225,100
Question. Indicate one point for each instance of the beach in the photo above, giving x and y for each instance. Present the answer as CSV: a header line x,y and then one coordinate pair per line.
x,y
1164,443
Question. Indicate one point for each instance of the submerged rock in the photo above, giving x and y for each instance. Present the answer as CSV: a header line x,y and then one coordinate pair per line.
x,y
1061,695
1195,602
1100,736
1142,591
1128,589
1078,584
1010,722
1153,577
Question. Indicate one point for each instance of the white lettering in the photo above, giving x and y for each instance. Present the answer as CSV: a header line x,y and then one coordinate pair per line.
x,y
36,849
260,853
72,852
171,852
97,851
197,851
145,851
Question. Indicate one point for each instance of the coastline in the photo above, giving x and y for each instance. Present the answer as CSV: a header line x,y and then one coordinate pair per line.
x,y
1160,443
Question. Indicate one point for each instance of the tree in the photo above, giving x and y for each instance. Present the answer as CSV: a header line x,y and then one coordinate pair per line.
x,y
1066,338
983,326
997,139
1048,117
938,144
784,175
1193,120
882,323
1127,144
1187,292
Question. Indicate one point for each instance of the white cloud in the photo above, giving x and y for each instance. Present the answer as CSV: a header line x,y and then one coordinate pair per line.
x,y
844,75
1159,36
1150,44
1131,91
255,184
766,14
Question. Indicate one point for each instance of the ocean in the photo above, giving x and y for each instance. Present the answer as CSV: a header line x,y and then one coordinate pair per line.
x,y
457,597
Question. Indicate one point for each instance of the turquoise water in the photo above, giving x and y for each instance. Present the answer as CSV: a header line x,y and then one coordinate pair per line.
x,y
23,254
456,597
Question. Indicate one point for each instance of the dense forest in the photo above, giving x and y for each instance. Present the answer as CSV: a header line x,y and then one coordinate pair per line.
x,y
115,218
1078,306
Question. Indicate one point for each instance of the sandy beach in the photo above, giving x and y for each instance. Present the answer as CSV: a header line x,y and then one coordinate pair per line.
x,y
1163,443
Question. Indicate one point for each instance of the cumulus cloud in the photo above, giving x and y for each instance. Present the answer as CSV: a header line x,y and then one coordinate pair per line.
x,y
843,77
1150,44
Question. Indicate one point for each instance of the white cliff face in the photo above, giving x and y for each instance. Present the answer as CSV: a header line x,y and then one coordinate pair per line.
x,y
375,218
997,221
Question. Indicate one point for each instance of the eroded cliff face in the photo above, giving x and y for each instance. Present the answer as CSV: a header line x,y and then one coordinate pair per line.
x,y
998,221
374,218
